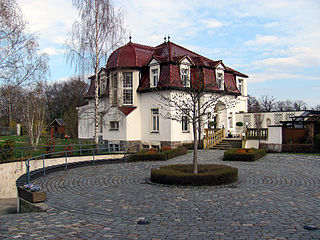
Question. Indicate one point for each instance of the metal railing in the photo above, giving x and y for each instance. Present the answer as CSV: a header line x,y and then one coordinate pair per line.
x,y
26,151
124,149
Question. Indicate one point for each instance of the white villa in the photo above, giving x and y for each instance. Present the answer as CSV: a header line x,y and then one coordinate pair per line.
x,y
129,87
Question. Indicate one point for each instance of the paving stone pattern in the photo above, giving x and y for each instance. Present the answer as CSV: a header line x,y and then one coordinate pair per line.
x,y
273,199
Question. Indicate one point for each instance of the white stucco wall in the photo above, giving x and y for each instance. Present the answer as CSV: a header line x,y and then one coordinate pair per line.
x,y
274,117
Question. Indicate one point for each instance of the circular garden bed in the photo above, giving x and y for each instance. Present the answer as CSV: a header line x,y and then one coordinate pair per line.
x,y
181,174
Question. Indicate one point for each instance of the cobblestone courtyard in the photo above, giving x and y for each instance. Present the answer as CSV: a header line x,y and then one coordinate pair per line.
x,y
273,199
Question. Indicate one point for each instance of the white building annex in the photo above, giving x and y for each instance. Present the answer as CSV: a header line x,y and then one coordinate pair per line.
x,y
132,83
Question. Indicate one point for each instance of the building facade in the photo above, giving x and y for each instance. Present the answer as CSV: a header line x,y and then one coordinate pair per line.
x,y
132,86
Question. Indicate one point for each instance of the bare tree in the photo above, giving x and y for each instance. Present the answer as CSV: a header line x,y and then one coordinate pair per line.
x,y
267,103
253,104
193,104
20,60
258,120
299,105
98,32
316,108
33,116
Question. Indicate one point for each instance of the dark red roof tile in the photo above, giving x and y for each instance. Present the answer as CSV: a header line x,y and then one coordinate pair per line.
x,y
127,110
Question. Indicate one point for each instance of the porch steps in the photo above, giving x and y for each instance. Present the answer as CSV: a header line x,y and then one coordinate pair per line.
x,y
228,144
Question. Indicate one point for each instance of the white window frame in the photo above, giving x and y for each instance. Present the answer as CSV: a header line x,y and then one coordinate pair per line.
x,y
185,123
220,80
127,88
154,78
114,125
185,72
155,120
240,85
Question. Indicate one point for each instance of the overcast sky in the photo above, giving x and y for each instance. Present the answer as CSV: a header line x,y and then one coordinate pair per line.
x,y
275,42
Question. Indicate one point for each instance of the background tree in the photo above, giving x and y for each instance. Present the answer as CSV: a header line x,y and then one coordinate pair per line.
x,y
253,104
94,36
33,115
62,99
21,62
267,103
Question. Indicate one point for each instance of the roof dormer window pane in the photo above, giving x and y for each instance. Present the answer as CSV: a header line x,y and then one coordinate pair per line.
x,y
155,77
185,79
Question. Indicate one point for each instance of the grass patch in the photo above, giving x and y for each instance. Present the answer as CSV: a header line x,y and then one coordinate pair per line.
x,y
181,174
246,155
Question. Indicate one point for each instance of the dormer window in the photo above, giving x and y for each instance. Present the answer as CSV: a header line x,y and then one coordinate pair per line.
x,y
154,73
185,72
185,79
240,85
155,77
220,80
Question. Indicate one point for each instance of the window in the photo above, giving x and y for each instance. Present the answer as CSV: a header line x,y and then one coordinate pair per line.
x,y
114,125
185,124
240,85
185,79
155,120
220,80
127,88
114,90
114,147
155,77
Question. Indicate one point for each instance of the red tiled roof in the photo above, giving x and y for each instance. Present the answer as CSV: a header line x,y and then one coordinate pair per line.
x,y
127,110
169,55
230,83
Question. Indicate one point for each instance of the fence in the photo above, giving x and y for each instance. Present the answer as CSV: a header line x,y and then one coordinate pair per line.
x,y
256,133
94,151
8,131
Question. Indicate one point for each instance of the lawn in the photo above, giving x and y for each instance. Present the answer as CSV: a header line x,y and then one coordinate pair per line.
x,y
23,150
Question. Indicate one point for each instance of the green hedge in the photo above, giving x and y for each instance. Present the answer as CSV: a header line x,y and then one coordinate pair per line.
x,y
147,157
175,152
233,155
181,174
162,156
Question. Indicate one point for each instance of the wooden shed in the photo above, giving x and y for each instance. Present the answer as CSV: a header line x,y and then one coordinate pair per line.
x,y
57,128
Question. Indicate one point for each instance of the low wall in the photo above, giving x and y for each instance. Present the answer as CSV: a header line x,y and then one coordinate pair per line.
x,y
10,172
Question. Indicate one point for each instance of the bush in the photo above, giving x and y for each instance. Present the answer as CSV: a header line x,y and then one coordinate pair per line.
x,y
175,152
246,155
239,124
7,150
147,157
182,175
166,148
317,139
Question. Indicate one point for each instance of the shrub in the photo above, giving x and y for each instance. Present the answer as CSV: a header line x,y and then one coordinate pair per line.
x,y
239,124
247,155
175,152
182,175
166,148
153,150
317,139
147,157
7,150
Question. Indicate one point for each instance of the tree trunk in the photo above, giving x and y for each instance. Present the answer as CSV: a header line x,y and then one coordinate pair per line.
x,y
195,148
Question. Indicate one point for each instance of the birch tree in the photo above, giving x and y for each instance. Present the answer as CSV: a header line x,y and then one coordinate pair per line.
x,y
97,33
33,116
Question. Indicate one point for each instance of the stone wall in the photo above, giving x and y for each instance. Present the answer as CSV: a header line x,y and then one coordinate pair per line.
x,y
10,172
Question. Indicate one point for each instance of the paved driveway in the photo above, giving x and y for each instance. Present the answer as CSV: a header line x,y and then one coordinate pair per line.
x,y
273,199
